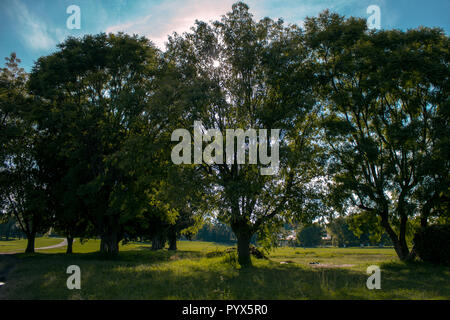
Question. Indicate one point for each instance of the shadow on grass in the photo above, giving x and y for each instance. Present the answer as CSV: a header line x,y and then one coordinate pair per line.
x,y
163,274
138,256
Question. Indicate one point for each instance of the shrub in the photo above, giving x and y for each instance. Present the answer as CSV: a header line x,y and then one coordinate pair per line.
x,y
432,244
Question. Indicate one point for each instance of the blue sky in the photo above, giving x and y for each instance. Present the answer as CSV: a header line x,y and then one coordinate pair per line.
x,y
33,28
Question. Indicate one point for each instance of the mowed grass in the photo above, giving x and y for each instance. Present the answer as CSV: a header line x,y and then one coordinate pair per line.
x,y
19,245
350,258
198,271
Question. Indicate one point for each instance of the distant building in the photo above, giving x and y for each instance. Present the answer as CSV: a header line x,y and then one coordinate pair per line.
x,y
288,240
327,237
327,240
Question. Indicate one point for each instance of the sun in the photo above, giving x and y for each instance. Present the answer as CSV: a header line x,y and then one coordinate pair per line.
x,y
216,63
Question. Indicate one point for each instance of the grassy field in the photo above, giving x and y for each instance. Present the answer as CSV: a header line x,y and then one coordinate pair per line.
x,y
200,270
20,245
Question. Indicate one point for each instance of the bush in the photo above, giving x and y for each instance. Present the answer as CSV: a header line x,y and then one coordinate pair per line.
x,y
310,236
432,244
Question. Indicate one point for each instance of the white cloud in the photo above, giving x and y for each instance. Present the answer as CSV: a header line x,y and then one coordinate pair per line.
x,y
159,21
173,16
34,31
139,26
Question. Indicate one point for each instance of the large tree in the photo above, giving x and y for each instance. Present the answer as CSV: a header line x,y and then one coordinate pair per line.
x,y
310,236
93,109
237,73
23,192
385,97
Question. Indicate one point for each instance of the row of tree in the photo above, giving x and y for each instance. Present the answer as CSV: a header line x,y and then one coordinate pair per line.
x,y
363,119
9,231
341,232
215,232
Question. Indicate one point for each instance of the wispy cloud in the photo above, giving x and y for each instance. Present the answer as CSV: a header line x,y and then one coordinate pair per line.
x,y
160,20
34,31
172,16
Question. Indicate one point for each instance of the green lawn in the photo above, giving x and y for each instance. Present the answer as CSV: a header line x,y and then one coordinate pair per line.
x,y
20,245
198,271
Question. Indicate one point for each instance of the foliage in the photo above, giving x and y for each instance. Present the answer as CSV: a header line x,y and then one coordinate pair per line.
x,y
99,128
341,233
431,244
310,236
238,73
23,195
215,232
385,119
363,120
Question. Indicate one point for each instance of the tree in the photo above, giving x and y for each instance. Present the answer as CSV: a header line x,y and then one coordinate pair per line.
x,y
178,209
93,108
215,232
7,229
310,236
188,200
341,233
357,229
240,74
23,193
385,98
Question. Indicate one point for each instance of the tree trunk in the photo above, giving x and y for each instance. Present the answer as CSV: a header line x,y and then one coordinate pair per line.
x,y
69,245
158,242
173,242
243,233
109,244
244,258
102,245
423,222
155,242
401,248
400,245
31,237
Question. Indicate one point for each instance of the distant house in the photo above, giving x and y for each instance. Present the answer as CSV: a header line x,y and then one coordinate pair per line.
x,y
288,240
327,240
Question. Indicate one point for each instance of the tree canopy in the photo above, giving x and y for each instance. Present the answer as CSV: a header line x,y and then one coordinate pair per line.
x,y
290,124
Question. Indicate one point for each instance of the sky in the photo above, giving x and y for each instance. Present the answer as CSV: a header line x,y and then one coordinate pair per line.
x,y
33,28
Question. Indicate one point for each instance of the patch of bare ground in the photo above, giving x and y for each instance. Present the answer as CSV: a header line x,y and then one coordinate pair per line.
x,y
328,265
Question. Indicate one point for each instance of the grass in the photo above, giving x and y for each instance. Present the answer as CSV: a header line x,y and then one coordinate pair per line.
x,y
20,245
352,258
196,271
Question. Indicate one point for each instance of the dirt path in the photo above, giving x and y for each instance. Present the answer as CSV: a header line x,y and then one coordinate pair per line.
x,y
328,266
61,244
